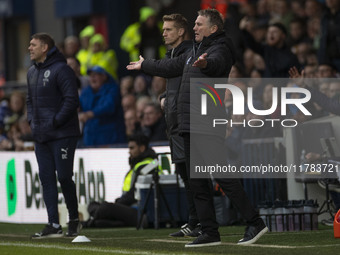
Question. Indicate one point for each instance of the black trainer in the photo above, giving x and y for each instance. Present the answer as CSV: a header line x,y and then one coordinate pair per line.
x,y
49,232
253,233
185,230
204,240
74,228
197,231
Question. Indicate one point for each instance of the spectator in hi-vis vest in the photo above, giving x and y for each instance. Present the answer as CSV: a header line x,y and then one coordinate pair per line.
x,y
144,37
123,213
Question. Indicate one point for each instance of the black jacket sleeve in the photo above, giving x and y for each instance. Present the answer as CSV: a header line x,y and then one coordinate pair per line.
x,y
67,84
219,62
29,105
167,68
29,97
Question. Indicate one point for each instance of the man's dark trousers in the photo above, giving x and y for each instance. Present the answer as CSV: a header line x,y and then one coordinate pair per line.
x,y
202,189
183,171
57,157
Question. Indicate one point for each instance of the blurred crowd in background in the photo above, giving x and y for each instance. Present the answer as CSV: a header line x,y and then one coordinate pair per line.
x,y
270,37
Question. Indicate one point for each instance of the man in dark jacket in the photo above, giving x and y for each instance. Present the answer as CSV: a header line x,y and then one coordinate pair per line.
x,y
52,103
329,50
212,56
174,33
121,213
277,56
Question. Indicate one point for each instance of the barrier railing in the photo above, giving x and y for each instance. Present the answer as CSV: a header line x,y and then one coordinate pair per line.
x,y
264,151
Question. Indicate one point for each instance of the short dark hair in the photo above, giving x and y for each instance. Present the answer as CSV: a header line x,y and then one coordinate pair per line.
x,y
215,17
179,20
279,26
155,106
45,38
327,63
139,139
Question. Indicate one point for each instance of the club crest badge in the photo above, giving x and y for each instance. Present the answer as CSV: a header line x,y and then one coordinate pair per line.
x,y
46,75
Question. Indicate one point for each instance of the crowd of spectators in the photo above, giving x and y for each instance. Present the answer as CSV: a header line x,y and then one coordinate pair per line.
x,y
275,36
15,133
269,36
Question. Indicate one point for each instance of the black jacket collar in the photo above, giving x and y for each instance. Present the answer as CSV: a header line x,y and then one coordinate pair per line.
x,y
219,38
181,48
53,55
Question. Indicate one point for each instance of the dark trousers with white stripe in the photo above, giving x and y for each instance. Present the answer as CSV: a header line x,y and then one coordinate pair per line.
x,y
55,159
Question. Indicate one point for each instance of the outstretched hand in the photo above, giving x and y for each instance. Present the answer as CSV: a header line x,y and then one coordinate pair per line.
x,y
245,24
296,76
294,73
201,62
137,65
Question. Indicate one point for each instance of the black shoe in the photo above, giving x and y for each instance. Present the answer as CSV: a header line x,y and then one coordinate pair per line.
x,y
185,230
49,232
197,231
253,233
74,228
204,240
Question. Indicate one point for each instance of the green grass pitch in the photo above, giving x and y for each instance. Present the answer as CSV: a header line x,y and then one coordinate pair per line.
x,y
15,240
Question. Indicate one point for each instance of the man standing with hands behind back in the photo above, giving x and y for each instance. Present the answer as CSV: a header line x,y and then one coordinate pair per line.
x,y
212,57
52,103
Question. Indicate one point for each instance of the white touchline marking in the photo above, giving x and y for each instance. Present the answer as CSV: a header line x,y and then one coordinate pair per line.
x,y
92,238
111,230
169,241
97,250
116,251
13,235
250,245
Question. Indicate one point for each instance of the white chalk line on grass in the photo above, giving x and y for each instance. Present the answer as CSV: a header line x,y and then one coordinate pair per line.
x,y
110,229
13,235
142,237
300,232
92,238
96,250
251,245
118,251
